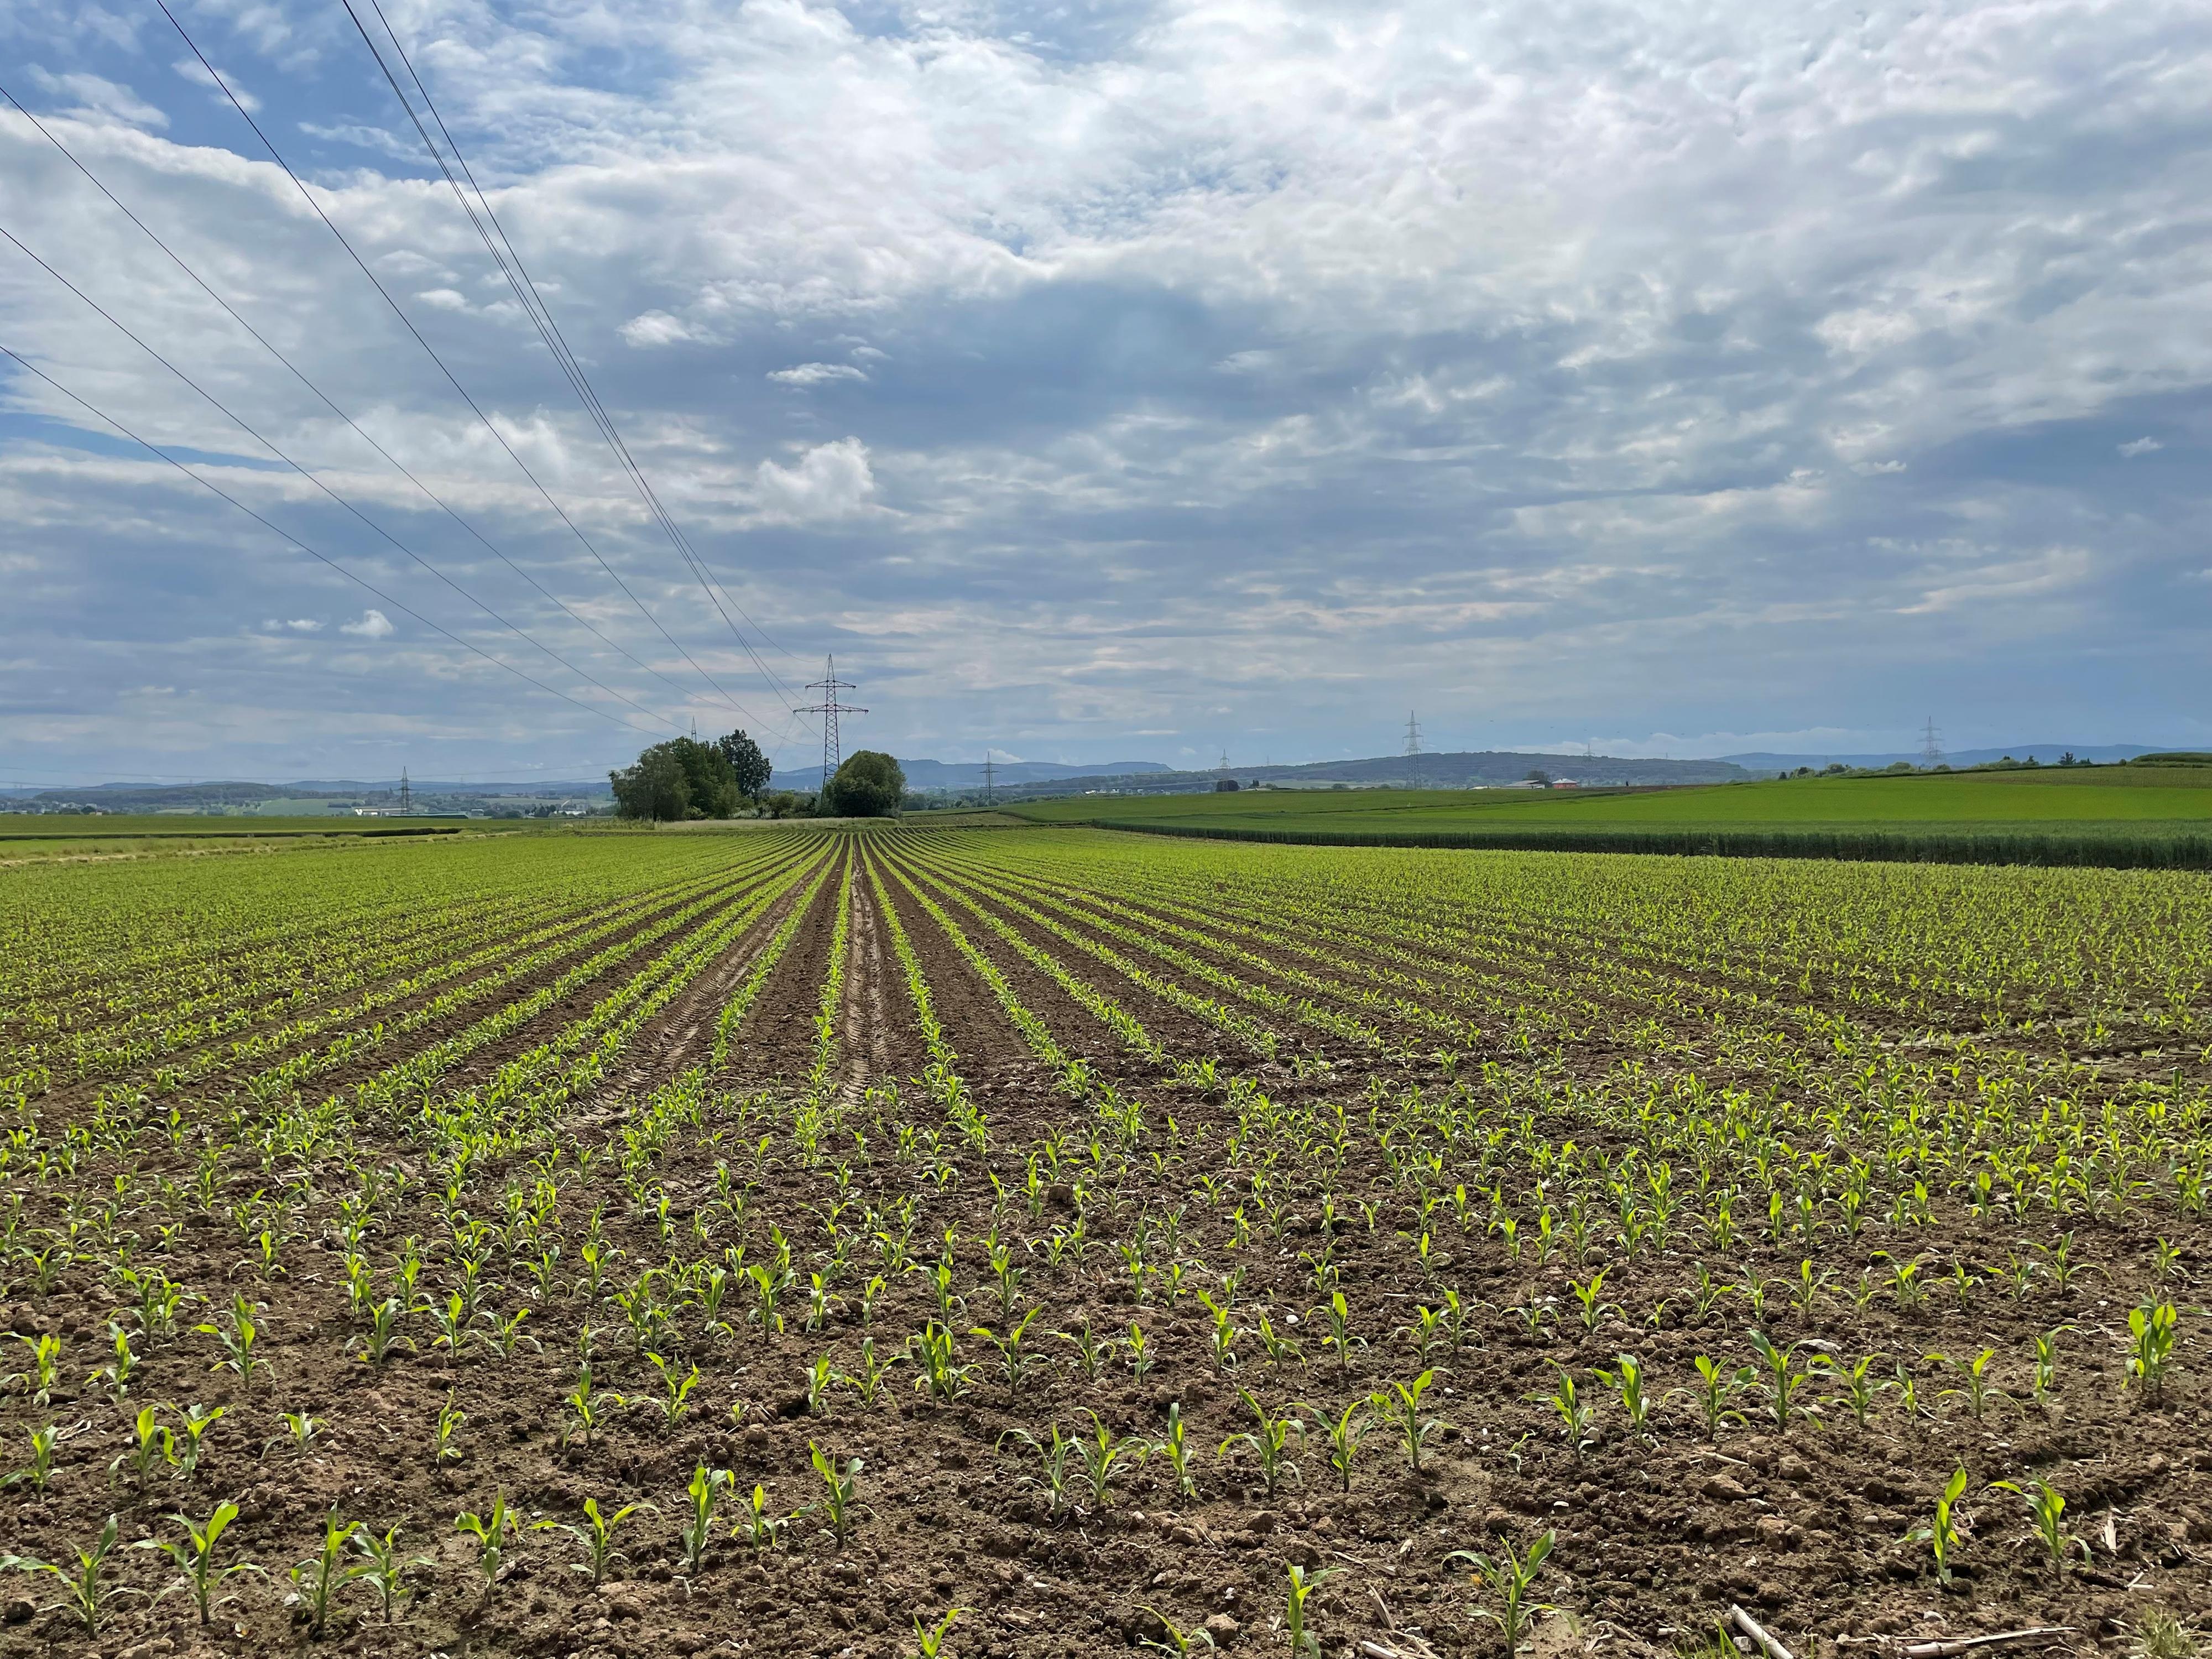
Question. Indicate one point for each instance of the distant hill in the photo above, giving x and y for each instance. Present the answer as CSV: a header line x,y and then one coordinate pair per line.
x,y
968,775
1475,769
1760,760
308,795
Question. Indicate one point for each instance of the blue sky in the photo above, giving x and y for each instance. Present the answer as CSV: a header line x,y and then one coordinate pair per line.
x,y
1114,380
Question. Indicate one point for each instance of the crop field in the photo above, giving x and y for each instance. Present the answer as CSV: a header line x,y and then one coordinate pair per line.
x,y
1037,1242
2107,815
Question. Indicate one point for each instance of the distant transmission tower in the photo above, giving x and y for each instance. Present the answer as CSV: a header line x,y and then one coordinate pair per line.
x,y
406,794
1931,744
833,753
1413,748
989,798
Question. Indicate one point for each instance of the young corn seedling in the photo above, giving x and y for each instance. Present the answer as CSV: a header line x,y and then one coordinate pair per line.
x,y
383,1568
382,1338
587,1406
1400,1406
1175,1448
868,1381
320,1576
1278,1348
1304,1645
1338,1314
144,1450
596,1533
1858,1390
2046,1359
705,1493
1173,1638
1974,1383
2046,1509
118,1371
239,1341
929,1640
1142,1359
443,1450
1577,1419
1015,1361
184,1455
1224,1334
2150,1345
1052,1463
1941,1535
1784,1380
931,1352
1591,1297
675,1398
45,1368
1625,1379
1508,1577
40,1471
85,1595
495,1532
195,1557
1343,1434
1091,1352
758,1525
1103,1454
1269,1439
841,1505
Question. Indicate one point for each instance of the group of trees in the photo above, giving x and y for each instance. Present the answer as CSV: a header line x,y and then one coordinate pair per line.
x,y
685,778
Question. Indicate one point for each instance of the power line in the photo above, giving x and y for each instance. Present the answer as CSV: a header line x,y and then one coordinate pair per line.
x,y
286,536
452,379
302,376
271,447
519,281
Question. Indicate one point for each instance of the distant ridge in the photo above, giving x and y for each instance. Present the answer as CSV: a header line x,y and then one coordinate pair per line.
x,y
968,775
2106,753
1471,770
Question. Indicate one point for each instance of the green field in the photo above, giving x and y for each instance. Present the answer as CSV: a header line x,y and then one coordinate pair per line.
x,y
30,836
2131,815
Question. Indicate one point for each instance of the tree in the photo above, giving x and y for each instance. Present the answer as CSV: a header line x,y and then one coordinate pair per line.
x,y
869,785
682,778
746,761
654,789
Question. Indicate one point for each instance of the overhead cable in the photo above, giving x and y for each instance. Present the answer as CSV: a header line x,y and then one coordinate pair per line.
x,y
399,605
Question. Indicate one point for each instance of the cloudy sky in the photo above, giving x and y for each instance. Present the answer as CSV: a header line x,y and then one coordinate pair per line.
x,y
1104,380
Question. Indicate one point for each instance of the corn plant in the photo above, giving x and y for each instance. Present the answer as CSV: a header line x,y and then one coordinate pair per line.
x,y
931,1352
495,1532
1859,1391
1278,1348
759,1524
1625,1379
1577,1421
184,1455
195,1557
675,1396
1343,1433
40,1471
443,1450
929,1640
318,1577
238,1341
1337,1315
1091,1352
2150,1345
868,1380
1015,1361
1304,1645
1224,1334
1591,1297
1974,1384
587,1405
1942,1534
1508,1577
382,1338
118,1371
2046,1509
1141,1358
596,1533
1173,1638
1174,1447
45,1368
1269,1439
144,1448
1400,1406
2046,1359
1052,1460
705,1493
841,1503
85,1596
1102,1454
1784,1380
383,1568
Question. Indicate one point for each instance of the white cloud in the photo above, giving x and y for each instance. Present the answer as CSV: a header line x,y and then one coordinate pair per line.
x,y
830,481
805,374
297,625
373,625
2136,447
98,97
196,72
